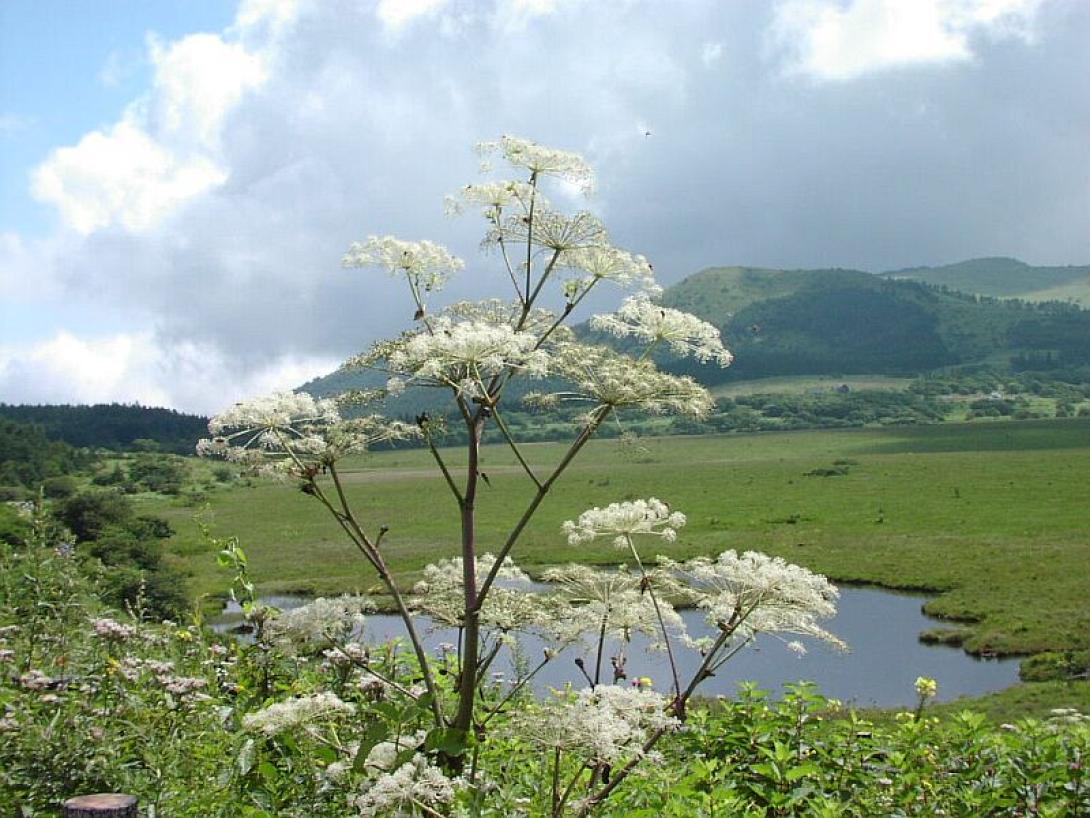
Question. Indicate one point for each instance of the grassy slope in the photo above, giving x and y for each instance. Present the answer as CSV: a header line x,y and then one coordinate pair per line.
x,y
1006,277
992,515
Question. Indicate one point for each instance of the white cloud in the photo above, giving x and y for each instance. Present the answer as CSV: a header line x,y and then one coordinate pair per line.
x,y
396,14
14,123
121,176
142,368
165,149
833,40
711,53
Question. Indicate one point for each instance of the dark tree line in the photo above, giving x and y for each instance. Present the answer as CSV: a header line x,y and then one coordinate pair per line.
x,y
112,426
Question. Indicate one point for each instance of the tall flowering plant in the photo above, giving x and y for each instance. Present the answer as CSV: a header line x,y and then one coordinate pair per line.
x,y
550,262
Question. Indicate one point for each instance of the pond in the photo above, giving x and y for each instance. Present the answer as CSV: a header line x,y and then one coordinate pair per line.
x,y
880,627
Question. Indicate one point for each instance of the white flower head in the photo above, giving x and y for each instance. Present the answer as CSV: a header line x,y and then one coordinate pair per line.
x,y
494,197
286,430
603,724
301,711
466,354
616,603
509,606
425,264
622,521
541,160
413,783
683,333
319,623
608,378
603,262
751,593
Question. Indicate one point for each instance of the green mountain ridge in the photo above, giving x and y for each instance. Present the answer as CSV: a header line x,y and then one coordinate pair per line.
x,y
843,322
1006,278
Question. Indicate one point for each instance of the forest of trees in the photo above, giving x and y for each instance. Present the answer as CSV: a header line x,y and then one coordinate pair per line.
x,y
113,426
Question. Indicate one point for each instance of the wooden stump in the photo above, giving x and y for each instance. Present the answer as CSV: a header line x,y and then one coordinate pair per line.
x,y
102,805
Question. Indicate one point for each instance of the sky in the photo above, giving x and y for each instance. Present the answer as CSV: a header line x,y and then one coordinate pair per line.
x,y
180,178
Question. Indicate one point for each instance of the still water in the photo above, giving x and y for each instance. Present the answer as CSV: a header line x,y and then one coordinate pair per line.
x,y
880,627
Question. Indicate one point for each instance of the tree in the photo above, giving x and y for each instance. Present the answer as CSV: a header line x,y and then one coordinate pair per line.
x,y
89,513
473,352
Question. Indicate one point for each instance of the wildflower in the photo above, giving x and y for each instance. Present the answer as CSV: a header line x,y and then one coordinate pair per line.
x,y
684,334
182,685
590,264
551,230
607,378
415,782
294,428
926,688
624,520
385,753
541,160
320,622
615,603
493,197
509,605
286,715
425,264
112,630
750,593
604,724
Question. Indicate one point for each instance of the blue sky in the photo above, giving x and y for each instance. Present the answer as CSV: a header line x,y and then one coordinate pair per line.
x,y
179,178
69,67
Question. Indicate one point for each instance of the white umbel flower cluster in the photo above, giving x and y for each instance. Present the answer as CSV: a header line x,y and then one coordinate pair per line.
x,y
315,625
604,724
604,262
412,784
426,264
465,354
685,334
302,711
494,197
754,593
616,603
541,160
509,606
284,429
606,378
622,521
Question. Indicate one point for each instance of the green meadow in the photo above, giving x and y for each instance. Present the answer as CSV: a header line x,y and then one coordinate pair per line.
x,y
990,517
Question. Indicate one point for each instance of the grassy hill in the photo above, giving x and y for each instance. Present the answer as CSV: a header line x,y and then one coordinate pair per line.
x,y
837,322
1006,278
795,322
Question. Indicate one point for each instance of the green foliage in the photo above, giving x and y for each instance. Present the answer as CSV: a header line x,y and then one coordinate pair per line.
x,y
89,513
27,456
997,277
161,473
1056,665
92,700
112,426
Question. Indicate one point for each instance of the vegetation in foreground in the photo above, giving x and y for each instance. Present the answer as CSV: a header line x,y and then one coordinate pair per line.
x,y
196,724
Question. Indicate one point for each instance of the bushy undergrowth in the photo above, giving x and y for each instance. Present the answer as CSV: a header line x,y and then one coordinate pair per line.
x,y
197,724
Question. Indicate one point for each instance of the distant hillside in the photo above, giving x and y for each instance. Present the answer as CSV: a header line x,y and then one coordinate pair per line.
x,y
795,322
1006,278
838,322
113,425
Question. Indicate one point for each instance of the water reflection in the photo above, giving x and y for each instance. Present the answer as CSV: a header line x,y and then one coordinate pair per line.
x,y
881,627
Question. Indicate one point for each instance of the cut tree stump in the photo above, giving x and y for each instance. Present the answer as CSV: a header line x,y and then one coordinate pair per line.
x,y
102,805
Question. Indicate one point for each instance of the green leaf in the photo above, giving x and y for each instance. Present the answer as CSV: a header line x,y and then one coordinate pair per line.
x,y
376,732
246,758
448,740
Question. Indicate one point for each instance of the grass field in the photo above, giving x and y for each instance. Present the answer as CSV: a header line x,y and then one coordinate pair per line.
x,y
803,384
992,518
